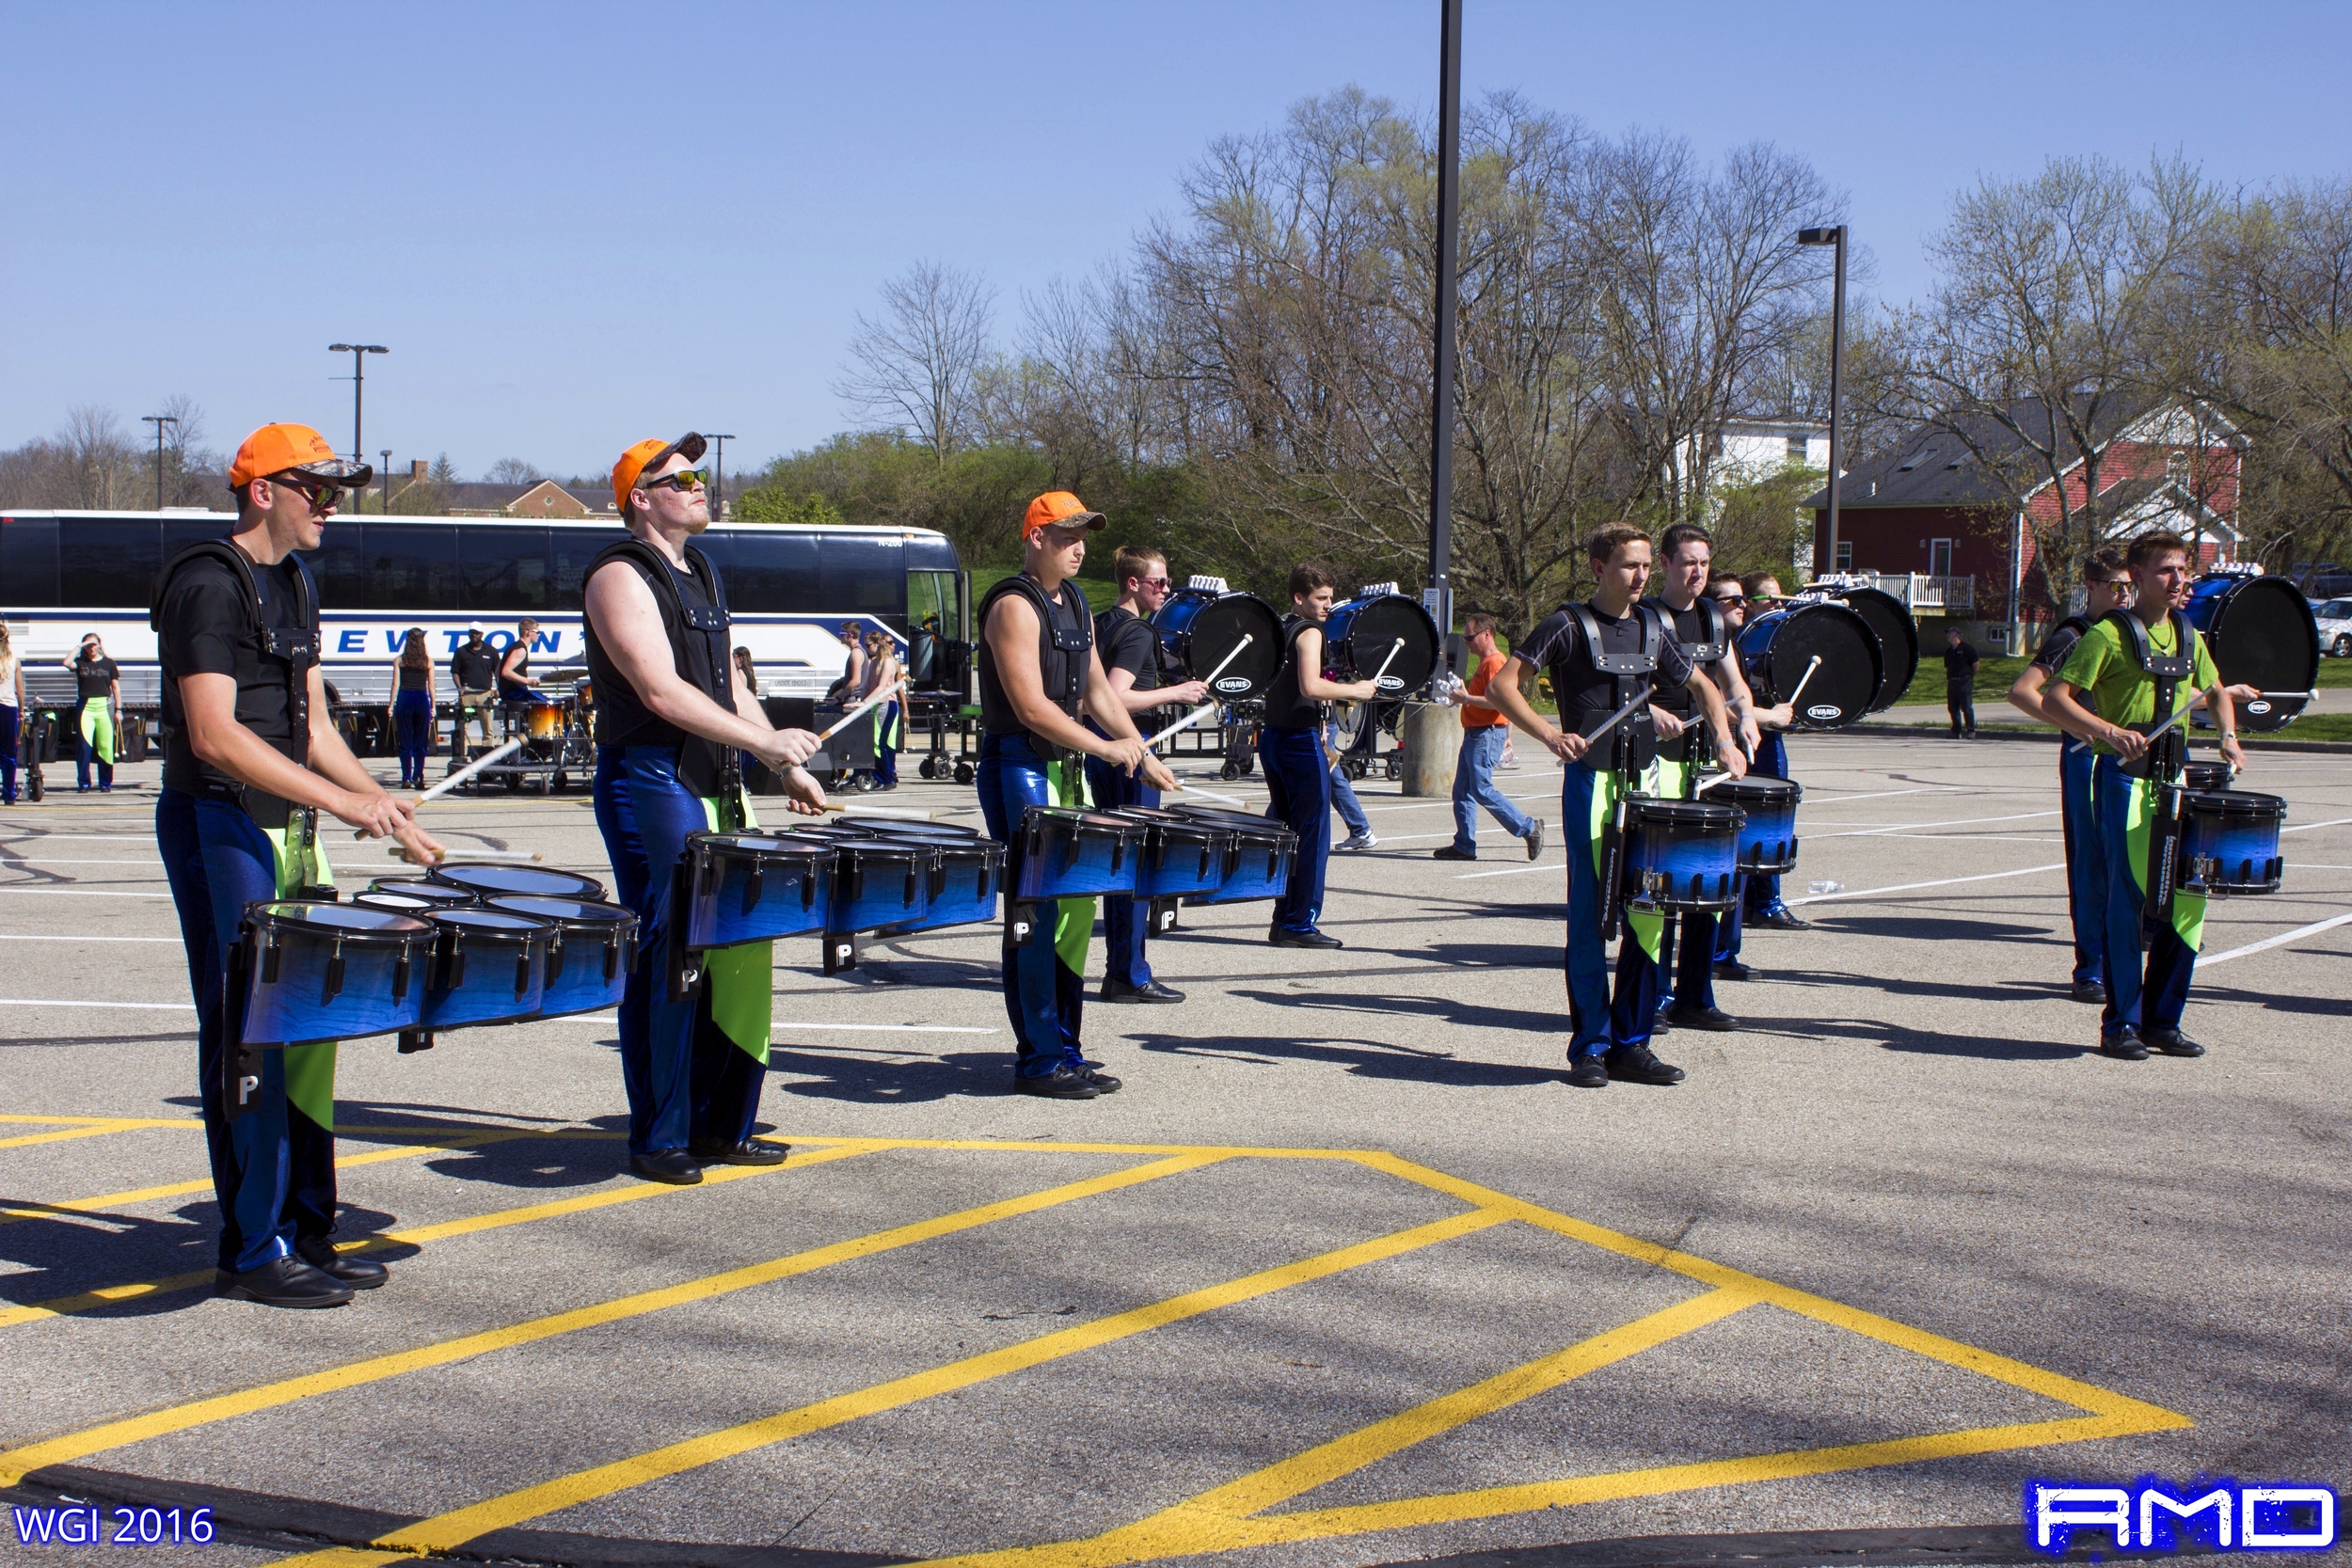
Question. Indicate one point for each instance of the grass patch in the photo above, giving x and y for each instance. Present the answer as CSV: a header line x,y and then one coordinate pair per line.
x,y
1994,676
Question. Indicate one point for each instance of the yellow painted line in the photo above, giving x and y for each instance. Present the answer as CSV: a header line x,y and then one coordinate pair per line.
x,y
1053,1146
108,1295
449,1530
104,1121
27,1139
15,1464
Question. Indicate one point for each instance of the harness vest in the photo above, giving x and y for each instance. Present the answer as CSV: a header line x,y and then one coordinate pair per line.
x,y
2170,754
699,651
1716,644
261,649
1634,740
1065,646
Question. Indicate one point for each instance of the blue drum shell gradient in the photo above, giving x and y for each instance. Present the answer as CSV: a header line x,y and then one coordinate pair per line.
x,y
595,949
1260,865
754,887
1682,854
879,882
488,966
1067,853
1182,855
330,971
965,881
1767,839
2230,843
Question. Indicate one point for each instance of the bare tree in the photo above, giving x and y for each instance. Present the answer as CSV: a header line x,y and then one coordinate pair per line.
x,y
917,366
104,458
513,470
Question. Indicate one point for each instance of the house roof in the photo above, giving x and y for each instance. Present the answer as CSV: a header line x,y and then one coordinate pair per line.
x,y
1935,468
477,496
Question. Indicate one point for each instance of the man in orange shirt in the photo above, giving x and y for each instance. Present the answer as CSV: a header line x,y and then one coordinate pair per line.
x,y
1484,731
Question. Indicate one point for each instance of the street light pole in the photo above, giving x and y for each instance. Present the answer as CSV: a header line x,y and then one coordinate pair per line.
x,y
720,464
359,352
1441,378
387,471
1833,236
159,420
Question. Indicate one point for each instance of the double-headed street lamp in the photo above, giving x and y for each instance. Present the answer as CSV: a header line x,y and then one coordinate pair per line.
x,y
159,420
1835,236
359,352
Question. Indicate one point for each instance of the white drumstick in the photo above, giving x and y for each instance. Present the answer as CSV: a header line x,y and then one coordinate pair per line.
x,y
1802,679
882,696
400,852
1395,648
1206,709
455,779
1213,795
1246,638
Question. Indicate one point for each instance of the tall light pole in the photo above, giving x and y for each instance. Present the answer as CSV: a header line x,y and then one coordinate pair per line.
x,y
387,471
721,476
1835,236
159,420
359,352
1441,378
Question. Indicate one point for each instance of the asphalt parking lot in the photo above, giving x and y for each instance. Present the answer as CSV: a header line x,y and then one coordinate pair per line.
x,y
1346,1276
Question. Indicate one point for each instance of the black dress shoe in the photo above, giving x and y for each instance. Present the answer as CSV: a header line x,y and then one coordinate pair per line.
x,y
1637,1063
1587,1072
282,1282
2125,1047
1713,1018
1447,852
673,1166
1151,990
2171,1042
1732,969
1060,1083
1303,939
1104,1082
360,1274
1536,838
1780,919
2090,991
751,1151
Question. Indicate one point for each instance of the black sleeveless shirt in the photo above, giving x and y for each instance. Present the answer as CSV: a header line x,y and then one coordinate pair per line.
x,y
1065,650
1286,707
694,606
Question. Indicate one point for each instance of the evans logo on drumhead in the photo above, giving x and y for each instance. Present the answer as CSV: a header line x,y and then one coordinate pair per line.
x,y
1392,682
1233,683
1824,710
2258,707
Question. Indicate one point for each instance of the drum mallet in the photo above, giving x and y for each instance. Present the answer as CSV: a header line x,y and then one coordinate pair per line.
x,y
1395,648
1205,708
844,721
457,778
1802,679
400,852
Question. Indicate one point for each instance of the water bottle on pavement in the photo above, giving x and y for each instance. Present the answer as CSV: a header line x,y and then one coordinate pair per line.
x,y
1818,889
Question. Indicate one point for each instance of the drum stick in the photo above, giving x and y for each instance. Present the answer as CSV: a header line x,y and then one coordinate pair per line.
x,y
1246,638
1206,709
1611,721
1802,679
1395,648
457,778
400,852
1213,795
843,722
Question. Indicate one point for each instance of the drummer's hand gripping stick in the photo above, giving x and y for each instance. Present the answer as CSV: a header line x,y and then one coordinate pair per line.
x,y
1395,648
848,719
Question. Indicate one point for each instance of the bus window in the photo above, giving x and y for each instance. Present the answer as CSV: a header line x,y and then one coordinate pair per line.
x,y
860,574
108,563
569,551
178,534
28,563
340,567
500,569
410,568
773,574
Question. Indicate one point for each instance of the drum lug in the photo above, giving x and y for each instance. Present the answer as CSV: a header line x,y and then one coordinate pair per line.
x,y
334,970
555,954
522,970
400,975
269,957
612,962
753,885
451,963
808,887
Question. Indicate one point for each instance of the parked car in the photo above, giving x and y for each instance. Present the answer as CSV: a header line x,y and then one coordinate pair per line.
x,y
2335,626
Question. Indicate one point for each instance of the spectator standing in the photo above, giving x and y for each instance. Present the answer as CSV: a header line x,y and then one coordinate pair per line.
x,y
882,671
11,715
412,707
1483,728
473,669
1959,684
745,672
98,697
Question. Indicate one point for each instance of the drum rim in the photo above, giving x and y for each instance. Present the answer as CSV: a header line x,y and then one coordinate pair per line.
x,y
401,884
1755,782
531,928
503,868
1688,811
1787,614
1241,824
2238,804
267,913
621,914
775,847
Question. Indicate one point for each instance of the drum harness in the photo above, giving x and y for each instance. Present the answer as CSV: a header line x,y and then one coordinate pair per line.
x,y
1063,659
1632,737
1717,646
2163,761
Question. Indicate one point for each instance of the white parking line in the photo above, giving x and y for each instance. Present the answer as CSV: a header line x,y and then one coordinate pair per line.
x,y
1914,827
76,893
2280,941
14,936
1941,881
2308,827
117,1006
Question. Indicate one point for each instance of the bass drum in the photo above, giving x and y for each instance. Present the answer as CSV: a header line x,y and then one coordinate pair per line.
x,y
1776,649
2264,635
1898,635
1199,629
1385,635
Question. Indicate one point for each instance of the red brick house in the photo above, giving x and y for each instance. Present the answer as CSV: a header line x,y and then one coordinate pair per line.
x,y
1931,505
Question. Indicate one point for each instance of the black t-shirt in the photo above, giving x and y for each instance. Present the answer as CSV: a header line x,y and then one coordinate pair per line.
x,y
2061,641
1688,626
203,625
94,677
1127,643
1960,664
474,668
1555,645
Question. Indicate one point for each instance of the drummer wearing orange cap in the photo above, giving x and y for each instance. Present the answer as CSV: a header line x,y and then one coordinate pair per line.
x,y
1039,675
251,758
671,725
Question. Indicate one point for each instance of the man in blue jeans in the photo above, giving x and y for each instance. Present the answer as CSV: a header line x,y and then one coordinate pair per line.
x,y
1351,810
1484,731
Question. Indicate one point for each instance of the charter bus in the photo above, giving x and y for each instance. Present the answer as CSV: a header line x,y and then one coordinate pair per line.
x,y
790,586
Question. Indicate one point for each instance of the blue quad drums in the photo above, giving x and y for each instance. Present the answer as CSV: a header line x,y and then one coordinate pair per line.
x,y
2263,634
594,947
1385,636
879,882
2230,843
1183,856
1261,862
495,881
1768,836
1071,854
1681,855
966,881
488,966
1201,628
319,972
753,886
1778,649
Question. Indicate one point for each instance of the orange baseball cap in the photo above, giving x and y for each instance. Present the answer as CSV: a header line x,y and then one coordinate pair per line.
x,y
650,453
277,449
1062,509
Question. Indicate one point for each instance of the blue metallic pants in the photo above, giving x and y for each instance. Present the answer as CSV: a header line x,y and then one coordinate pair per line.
x,y
274,1167
1125,921
2085,858
2143,992
1044,996
1298,783
1600,1021
10,719
685,1079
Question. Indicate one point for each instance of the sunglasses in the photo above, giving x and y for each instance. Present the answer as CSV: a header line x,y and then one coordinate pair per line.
x,y
686,479
322,495
1731,599
1157,582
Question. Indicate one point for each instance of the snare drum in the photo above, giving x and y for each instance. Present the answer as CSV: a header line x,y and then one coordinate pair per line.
x,y
1768,837
541,719
1259,866
488,966
966,876
331,971
1071,854
879,882
1681,855
755,886
2207,775
1183,856
593,950
2230,843
483,880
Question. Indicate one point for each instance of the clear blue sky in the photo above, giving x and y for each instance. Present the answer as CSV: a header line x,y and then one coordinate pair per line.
x,y
576,225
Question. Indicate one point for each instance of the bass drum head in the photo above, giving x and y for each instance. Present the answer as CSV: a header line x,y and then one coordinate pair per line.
x,y
1776,649
2264,635
1374,628
1201,630
1899,641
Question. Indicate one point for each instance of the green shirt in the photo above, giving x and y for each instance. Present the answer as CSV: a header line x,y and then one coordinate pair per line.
x,y
2103,665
